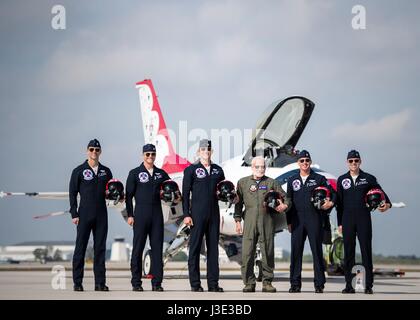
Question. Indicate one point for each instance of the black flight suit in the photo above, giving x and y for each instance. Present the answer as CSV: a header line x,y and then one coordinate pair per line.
x,y
355,218
308,222
93,216
148,220
205,214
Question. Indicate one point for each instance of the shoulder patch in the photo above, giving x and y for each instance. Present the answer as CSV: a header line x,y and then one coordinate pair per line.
x,y
346,183
296,184
87,174
143,177
200,173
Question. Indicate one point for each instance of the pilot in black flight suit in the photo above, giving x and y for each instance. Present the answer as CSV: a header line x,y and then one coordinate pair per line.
x,y
354,218
144,184
304,220
89,180
202,214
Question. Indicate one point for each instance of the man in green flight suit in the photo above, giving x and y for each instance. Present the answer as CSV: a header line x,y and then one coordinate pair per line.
x,y
259,224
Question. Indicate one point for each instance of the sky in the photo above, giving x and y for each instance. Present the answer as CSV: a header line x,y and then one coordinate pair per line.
x,y
215,65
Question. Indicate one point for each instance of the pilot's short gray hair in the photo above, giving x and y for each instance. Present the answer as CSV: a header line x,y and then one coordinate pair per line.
x,y
255,159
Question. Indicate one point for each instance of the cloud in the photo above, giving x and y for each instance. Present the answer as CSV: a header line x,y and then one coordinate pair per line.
x,y
387,129
72,69
276,48
217,39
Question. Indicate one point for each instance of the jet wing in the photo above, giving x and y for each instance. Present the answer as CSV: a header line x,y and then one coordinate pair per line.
x,y
398,205
280,126
120,206
110,204
40,195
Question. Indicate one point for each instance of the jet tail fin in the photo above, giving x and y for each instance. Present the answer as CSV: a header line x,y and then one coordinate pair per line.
x,y
155,130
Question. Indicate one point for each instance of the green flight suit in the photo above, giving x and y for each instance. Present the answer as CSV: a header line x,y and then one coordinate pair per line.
x,y
258,225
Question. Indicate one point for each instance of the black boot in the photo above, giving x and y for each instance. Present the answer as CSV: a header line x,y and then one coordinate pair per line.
x,y
158,288
215,289
101,287
348,290
368,291
78,287
197,289
294,289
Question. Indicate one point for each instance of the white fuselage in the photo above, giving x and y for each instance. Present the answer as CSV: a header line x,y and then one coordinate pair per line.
x,y
234,170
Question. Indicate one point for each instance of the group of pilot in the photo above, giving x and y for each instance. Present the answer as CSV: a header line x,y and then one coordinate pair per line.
x,y
255,220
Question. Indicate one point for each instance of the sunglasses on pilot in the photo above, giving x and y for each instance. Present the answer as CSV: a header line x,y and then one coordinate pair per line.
x,y
205,149
150,154
94,149
354,160
307,160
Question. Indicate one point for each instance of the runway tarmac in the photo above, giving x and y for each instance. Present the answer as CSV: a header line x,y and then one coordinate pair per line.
x,y
37,282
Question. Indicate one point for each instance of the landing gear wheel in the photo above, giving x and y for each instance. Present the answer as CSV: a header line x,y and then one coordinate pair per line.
x,y
258,270
147,264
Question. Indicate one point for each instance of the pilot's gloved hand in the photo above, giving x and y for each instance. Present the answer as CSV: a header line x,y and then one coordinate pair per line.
x,y
188,221
130,221
238,227
281,207
178,197
384,207
235,200
327,205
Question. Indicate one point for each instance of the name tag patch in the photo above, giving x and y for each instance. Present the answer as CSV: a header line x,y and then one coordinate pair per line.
x,y
215,171
102,173
361,182
311,183
158,175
